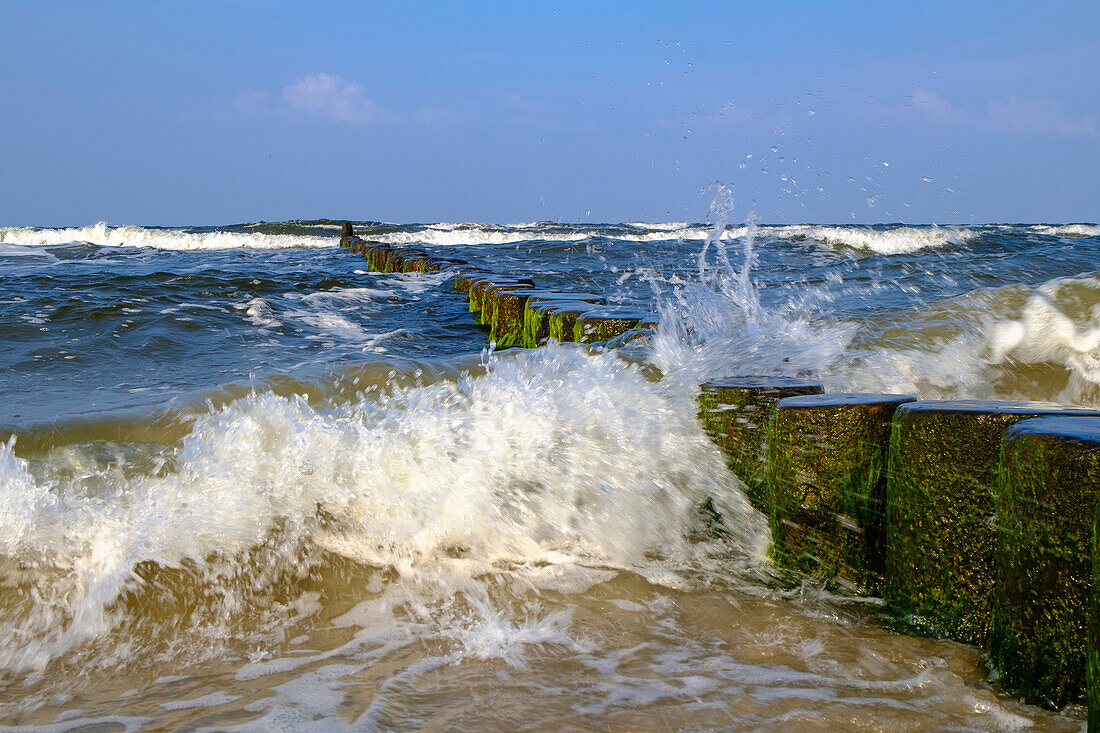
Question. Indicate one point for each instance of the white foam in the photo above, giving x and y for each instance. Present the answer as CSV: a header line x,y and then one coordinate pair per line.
x,y
1069,230
104,235
999,337
19,250
259,313
899,240
896,240
510,467
473,234
214,699
127,723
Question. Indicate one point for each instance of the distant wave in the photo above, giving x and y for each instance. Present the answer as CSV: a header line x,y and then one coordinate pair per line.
x,y
1069,230
880,241
104,235
472,234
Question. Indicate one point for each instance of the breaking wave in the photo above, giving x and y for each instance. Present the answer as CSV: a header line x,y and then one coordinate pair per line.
x,y
104,235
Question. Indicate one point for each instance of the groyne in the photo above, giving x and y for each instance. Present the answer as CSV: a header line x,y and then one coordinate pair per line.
x,y
973,521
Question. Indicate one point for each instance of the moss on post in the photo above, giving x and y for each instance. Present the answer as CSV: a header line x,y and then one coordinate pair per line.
x,y
735,414
394,260
438,264
826,486
1092,659
940,541
377,256
1047,492
399,257
466,279
601,324
480,285
563,319
489,301
536,318
416,264
507,314
477,290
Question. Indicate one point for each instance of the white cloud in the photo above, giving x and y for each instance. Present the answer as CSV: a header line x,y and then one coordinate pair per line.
x,y
327,95
1018,115
1037,115
932,105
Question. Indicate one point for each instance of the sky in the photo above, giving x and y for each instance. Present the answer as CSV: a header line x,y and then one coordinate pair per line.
x,y
158,113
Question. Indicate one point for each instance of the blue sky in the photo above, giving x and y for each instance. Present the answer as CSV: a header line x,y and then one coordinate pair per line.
x,y
209,113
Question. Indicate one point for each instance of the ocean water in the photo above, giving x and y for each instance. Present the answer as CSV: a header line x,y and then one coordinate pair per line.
x,y
246,484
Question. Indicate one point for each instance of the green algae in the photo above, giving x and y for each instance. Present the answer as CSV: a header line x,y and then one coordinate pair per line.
x,y
940,541
735,413
826,484
1092,659
536,318
597,325
477,291
490,300
416,264
536,326
479,287
398,259
563,319
376,257
1047,491
506,326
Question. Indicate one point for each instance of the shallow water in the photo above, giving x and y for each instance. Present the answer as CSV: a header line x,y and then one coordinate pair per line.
x,y
247,483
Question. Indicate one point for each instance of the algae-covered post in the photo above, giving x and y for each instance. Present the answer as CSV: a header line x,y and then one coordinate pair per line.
x,y
601,324
538,319
506,320
1047,492
735,414
940,538
826,486
536,322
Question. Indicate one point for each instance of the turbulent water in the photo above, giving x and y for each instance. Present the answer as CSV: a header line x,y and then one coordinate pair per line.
x,y
246,484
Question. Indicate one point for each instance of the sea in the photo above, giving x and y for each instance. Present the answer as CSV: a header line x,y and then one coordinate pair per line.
x,y
246,484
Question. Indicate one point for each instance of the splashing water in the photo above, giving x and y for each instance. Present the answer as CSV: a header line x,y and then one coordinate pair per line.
x,y
445,482
718,326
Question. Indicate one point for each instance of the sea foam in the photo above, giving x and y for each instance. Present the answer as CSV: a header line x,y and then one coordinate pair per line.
x,y
552,456
104,235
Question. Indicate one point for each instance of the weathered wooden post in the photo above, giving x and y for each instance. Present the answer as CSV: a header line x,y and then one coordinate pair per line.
x,y
735,413
826,486
940,537
1047,491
